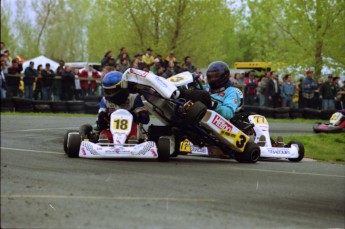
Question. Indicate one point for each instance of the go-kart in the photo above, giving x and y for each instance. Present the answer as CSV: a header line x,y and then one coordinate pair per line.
x,y
253,125
182,114
336,124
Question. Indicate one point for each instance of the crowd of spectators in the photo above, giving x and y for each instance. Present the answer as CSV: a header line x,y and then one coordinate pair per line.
x,y
268,90
68,83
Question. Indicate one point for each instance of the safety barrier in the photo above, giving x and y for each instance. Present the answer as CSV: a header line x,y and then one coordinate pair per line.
x,y
90,105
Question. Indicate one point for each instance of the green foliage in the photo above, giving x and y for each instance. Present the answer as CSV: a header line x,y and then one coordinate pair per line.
x,y
295,32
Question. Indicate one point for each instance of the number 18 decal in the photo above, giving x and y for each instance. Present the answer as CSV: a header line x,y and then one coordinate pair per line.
x,y
120,124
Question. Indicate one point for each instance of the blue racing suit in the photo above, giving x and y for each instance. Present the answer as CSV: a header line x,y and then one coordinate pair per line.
x,y
228,101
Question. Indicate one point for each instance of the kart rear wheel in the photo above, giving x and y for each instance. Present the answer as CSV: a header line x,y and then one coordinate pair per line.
x,y
251,154
73,145
65,139
300,151
196,112
163,148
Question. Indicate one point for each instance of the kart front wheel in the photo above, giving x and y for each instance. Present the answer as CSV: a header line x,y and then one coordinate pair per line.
x,y
65,139
196,112
251,154
300,151
73,145
163,148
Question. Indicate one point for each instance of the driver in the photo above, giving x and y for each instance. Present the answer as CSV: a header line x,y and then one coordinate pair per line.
x,y
116,96
228,99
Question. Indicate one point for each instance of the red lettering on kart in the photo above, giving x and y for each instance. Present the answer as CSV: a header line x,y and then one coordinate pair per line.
x,y
138,73
153,152
83,150
221,123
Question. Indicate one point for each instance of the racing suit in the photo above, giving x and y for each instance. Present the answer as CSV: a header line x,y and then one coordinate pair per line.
x,y
228,101
133,104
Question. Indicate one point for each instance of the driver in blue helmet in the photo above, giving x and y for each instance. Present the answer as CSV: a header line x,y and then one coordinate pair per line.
x,y
227,97
116,96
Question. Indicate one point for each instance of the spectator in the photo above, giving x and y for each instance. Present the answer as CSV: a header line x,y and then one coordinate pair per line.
x,y
250,89
88,87
2,47
340,98
124,65
161,72
156,65
309,85
57,84
328,92
123,55
138,62
62,64
13,80
38,85
170,59
29,77
187,65
272,91
288,91
241,80
169,72
78,93
148,58
67,84
108,59
262,88
117,67
177,68
47,82
3,86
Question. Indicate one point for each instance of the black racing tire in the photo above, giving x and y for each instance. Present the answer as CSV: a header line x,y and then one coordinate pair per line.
x,y
76,106
65,139
91,107
195,113
59,107
85,131
251,154
316,128
163,148
73,145
300,151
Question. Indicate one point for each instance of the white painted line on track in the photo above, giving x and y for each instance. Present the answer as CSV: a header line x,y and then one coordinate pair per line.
x,y
27,130
28,150
123,198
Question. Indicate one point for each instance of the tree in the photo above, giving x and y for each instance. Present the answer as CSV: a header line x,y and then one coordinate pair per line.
x,y
6,34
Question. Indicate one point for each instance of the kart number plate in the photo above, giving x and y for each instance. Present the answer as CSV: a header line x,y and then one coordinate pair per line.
x,y
121,124
335,116
177,79
258,119
241,141
185,146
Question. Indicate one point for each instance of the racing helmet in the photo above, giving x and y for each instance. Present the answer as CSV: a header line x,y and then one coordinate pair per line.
x,y
218,75
113,88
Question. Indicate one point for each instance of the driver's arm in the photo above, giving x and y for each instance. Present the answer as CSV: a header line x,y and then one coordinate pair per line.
x,y
229,105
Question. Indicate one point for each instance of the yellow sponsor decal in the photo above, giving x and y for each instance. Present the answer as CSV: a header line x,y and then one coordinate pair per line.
x,y
120,124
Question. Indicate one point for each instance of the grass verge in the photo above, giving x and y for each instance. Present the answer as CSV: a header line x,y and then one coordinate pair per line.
x,y
322,147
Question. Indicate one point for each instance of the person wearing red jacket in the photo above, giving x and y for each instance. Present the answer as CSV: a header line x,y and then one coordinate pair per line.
x,y
88,86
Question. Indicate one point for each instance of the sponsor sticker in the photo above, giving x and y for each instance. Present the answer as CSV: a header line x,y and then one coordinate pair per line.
x,y
160,81
278,151
138,72
185,146
221,123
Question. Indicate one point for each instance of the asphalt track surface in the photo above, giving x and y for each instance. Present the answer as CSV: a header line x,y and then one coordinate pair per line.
x,y
42,188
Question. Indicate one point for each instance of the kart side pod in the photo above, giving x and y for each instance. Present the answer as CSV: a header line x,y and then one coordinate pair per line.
x,y
226,132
